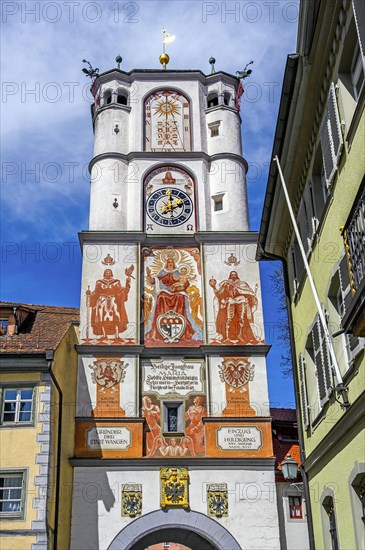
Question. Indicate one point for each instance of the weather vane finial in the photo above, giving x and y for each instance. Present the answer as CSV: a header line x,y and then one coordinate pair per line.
x,y
92,73
167,39
245,72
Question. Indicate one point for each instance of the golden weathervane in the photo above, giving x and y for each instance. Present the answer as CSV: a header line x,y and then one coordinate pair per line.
x,y
167,39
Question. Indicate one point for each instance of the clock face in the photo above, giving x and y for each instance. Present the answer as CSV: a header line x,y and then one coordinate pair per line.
x,y
169,207
169,201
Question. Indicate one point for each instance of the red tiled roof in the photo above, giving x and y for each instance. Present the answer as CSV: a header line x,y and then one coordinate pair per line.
x,y
283,415
43,329
283,448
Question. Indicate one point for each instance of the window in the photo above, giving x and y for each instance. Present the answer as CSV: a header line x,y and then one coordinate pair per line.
x,y
12,494
295,508
122,97
17,405
4,326
357,498
296,267
226,98
107,97
173,416
214,128
218,203
317,350
212,100
329,507
357,73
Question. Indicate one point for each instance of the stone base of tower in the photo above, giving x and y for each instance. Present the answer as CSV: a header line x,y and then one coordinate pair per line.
x,y
248,519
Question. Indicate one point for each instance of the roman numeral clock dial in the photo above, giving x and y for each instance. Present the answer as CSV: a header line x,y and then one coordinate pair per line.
x,y
169,202
170,207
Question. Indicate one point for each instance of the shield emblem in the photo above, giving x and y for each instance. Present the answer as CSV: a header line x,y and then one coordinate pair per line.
x,y
171,326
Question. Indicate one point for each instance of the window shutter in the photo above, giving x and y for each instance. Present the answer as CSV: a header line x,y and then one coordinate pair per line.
x,y
303,391
303,225
336,132
344,275
322,361
359,13
327,155
298,259
312,220
293,282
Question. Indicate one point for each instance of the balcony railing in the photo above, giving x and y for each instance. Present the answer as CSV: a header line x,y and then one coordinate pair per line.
x,y
354,238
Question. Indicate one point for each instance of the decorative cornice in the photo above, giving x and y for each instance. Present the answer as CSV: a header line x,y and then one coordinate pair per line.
x,y
152,352
177,155
198,463
201,237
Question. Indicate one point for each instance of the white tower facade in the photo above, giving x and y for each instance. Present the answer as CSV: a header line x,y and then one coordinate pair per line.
x,y
173,433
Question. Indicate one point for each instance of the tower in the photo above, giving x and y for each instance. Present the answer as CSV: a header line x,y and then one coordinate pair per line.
x,y
173,434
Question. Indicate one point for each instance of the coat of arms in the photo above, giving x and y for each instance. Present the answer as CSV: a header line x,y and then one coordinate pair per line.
x,y
236,372
108,373
171,326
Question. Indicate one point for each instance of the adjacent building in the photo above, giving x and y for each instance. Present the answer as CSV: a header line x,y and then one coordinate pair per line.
x,y
38,368
319,140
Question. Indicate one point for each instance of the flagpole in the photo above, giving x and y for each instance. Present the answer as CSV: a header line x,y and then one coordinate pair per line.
x,y
340,388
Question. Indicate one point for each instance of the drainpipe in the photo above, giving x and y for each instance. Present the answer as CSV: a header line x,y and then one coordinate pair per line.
x,y
297,393
49,358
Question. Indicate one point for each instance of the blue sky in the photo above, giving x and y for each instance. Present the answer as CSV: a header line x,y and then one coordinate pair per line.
x,y
46,132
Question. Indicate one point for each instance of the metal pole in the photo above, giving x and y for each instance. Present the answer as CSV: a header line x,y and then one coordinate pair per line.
x,y
341,387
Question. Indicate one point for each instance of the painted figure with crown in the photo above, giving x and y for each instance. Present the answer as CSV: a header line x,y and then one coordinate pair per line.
x,y
106,304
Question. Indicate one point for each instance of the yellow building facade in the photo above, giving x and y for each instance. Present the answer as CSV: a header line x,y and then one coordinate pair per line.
x,y
37,381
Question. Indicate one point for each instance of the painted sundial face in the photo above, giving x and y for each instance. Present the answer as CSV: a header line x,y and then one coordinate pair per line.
x,y
167,122
169,207
169,201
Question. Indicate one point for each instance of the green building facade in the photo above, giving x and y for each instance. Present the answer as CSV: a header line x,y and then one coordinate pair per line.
x,y
319,141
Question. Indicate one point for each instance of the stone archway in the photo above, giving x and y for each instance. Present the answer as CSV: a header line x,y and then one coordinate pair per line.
x,y
192,529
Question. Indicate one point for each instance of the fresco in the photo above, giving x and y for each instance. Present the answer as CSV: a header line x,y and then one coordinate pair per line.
x,y
179,383
238,386
234,309
108,310
107,387
173,312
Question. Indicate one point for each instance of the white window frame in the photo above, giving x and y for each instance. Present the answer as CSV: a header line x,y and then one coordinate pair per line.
x,y
18,400
14,514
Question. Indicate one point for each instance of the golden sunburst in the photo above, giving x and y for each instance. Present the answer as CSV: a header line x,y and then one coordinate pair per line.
x,y
167,107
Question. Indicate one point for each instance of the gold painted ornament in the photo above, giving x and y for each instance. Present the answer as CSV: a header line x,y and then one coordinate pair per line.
x,y
174,487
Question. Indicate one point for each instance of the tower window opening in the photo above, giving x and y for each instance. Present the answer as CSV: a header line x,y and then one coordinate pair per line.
x,y
218,203
214,131
122,99
107,97
212,100
226,98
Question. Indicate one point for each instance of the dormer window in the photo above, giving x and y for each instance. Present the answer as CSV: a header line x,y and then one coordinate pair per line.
x,y
212,100
4,327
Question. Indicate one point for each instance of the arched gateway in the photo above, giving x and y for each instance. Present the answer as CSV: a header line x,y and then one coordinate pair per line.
x,y
192,529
